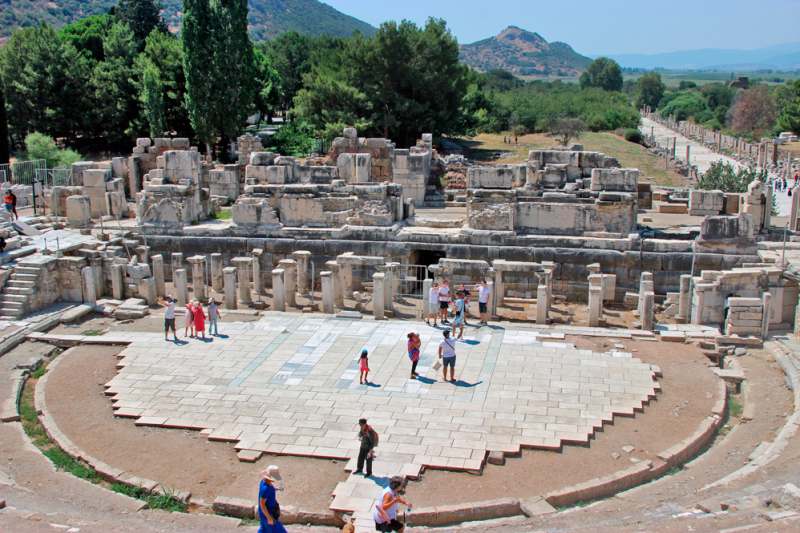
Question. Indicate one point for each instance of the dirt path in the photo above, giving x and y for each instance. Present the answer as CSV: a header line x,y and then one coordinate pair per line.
x,y
689,390
176,458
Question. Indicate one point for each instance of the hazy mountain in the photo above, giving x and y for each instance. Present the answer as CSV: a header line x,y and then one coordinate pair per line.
x,y
524,52
267,18
782,56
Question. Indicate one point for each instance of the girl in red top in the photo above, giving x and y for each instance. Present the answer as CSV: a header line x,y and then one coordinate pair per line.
x,y
8,203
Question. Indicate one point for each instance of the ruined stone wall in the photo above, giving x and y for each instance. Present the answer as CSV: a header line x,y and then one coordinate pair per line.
x,y
380,151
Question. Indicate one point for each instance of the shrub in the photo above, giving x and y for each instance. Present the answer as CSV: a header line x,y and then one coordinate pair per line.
x,y
40,146
633,135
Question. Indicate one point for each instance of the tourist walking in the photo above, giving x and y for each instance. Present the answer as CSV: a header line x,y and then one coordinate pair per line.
x,y
268,509
433,304
466,294
199,319
458,312
447,353
483,302
444,301
366,453
188,321
13,203
213,316
362,378
413,352
8,203
385,513
169,317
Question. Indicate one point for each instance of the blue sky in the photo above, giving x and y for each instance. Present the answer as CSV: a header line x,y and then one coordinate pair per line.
x,y
595,27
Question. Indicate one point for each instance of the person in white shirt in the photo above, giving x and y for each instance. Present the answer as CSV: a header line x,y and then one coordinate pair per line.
x,y
483,302
447,353
459,308
433,304
169,317
444,301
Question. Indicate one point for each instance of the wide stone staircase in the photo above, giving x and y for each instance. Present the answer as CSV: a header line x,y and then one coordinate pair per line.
x,y
18,290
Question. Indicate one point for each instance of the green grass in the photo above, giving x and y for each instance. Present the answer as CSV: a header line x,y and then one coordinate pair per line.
x,y
734,406
223,214
674,470
167,501
92,332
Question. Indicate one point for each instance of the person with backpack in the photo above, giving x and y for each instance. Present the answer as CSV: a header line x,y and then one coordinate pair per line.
x,y
369,439
268,509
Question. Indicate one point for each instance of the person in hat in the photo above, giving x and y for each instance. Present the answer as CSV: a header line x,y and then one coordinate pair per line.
x,y
267,502
169,317
365,453
385,514
213,315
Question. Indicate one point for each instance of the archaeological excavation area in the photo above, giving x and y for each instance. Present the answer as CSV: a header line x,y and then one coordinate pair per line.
x,y
638,369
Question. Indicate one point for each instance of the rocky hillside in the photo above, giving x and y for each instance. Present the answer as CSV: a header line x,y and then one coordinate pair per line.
x,y
524,52
268,18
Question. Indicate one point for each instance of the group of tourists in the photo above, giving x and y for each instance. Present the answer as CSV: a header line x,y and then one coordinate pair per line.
x,y
440,303
195,324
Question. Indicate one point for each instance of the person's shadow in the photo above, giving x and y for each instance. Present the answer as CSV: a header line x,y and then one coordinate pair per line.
x,y
426,381
221,336
460,383
371,384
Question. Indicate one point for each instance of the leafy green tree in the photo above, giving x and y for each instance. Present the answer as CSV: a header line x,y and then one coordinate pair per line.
x,y
790,119
4,144
40,146
142,16
603,73
290,56
268,95
87,35
717,94
752,112
153,100
682,105
685,85
649,90
724,177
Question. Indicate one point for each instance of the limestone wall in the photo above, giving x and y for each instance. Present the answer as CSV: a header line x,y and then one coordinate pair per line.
x,y
380,153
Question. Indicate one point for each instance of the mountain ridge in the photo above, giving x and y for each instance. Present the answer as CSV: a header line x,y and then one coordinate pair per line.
x,y
523,52
781,56
267,19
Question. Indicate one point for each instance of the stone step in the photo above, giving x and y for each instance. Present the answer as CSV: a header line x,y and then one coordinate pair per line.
x,y
24,277
22,284
12,305
18,290
28,270
13,297
8,314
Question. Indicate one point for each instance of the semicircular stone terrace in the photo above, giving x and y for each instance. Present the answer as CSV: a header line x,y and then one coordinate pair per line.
x,y
289,385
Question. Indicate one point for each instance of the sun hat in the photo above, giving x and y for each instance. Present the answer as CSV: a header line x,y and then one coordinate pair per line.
x,y
364,351
272,473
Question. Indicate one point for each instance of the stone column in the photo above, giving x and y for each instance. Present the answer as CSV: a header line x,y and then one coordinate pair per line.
x,y
768,192
377,295
347,280
99,277
326,279
595,305
766,302
177,262
647,311
117,274
278,294
216,272
89,288
596,280
198,276
542,303
258,285
158,274
302,258
427,285
500,286
684,301
646,284
687,154
243,265
181,287
289,266
386,270
492,303
229,276
793,214
338,289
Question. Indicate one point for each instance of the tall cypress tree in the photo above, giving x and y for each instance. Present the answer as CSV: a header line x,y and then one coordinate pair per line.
x,y
197,32
3,126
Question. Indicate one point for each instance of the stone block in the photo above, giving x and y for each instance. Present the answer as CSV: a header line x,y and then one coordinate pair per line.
x,y
96,178
490,178
78,211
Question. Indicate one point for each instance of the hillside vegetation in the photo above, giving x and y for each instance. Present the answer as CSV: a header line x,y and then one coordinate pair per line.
x,y
267,18
525,52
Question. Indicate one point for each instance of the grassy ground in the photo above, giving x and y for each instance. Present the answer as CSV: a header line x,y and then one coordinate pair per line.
x,y
490,149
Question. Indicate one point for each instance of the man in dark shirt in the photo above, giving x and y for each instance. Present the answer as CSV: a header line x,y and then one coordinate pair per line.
x,y
368,442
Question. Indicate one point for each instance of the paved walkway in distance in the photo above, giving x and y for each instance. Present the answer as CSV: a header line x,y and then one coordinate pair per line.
x,y
287,385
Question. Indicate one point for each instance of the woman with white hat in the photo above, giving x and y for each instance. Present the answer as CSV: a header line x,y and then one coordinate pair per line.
x,y
268,509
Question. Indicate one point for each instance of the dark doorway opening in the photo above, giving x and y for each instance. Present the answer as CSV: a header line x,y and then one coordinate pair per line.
x,y
426,258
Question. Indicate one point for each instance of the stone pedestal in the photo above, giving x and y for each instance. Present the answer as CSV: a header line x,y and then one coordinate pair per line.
x,y
647,301
645,285
99,277
492,303
181,287
684,300
278,293
386,270
147,290
499,286
177,262
303,282
595,305
338,286
229,277
542,305
243,265
216,272
347,280
258,284
198,276
117,273
158,274
427,285
89,288
766,300
377,295
596,281
289,267
326,280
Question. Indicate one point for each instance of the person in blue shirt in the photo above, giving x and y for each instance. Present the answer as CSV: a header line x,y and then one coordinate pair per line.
x,y
267,503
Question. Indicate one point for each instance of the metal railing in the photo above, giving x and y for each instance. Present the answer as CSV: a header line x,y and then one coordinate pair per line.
x,y
55,177
22,172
